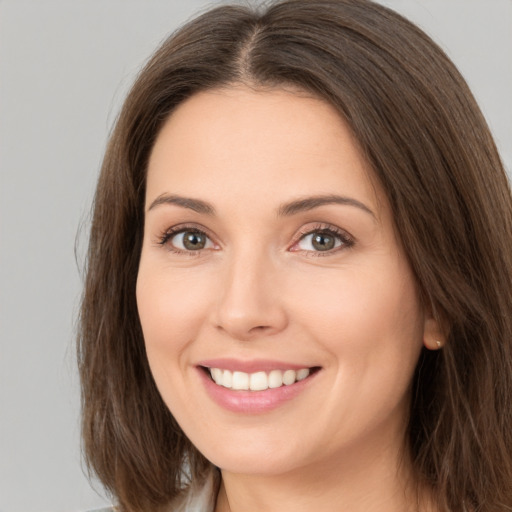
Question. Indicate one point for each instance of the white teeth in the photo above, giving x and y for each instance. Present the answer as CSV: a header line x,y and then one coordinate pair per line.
x,y
275,379
240,380
258,381
289,377
227,379
216,374
302,374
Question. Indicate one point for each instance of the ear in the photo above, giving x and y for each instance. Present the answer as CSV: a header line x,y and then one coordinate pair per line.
x,y
433,337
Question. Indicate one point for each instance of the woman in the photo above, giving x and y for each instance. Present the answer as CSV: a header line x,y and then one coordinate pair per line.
x,y
300,274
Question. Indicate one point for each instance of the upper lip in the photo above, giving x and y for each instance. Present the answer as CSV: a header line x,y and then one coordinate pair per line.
x,y
251,366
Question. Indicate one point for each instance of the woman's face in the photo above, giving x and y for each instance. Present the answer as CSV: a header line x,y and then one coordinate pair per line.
x,y
270,262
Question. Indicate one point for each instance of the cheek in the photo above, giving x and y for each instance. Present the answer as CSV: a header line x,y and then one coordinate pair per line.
x,y
371,324
171,306
356,300
369,318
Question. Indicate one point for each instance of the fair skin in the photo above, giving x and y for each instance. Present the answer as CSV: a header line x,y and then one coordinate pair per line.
x,y
269,247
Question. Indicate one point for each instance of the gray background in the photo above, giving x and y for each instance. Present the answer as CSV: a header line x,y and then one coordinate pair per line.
x,y
65,67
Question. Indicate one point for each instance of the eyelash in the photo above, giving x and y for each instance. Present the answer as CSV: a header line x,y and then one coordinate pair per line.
x,y
166,236
347,241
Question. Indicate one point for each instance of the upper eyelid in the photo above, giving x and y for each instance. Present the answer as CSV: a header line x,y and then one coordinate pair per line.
x,y
323,227
188,226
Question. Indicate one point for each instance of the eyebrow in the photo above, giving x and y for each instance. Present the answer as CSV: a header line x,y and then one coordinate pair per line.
x,y
309,203
196,205
285,210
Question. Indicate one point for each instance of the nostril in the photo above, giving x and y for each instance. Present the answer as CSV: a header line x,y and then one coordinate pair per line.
x,y
260,328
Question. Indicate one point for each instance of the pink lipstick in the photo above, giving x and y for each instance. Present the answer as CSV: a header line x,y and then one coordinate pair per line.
x,y
254,386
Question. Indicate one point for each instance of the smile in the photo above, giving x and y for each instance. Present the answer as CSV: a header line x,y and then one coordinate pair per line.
x,y
257,381
254,387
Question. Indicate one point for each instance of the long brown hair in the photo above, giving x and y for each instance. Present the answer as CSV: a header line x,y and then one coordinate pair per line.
x,y
430,148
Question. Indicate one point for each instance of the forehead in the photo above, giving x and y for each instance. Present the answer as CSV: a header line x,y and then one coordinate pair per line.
x,y
257,143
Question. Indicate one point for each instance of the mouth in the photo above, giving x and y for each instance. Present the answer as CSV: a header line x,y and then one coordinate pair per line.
x,y
257,381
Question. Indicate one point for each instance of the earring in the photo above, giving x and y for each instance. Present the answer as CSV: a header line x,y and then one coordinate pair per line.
x,y
439,344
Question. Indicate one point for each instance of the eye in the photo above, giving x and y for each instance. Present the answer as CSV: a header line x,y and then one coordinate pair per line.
x,y
186,240
190,240
319,242
324,240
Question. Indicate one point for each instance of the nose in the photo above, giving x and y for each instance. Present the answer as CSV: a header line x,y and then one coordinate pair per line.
x,y
250,304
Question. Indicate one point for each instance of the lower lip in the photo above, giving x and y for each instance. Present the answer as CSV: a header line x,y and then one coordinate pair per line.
x,y
253,402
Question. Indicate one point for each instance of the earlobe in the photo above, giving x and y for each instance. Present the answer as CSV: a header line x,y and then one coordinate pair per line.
x,y
433,337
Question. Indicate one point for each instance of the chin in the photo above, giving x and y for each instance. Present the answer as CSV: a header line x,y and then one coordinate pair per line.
x,y
253,464
252,457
